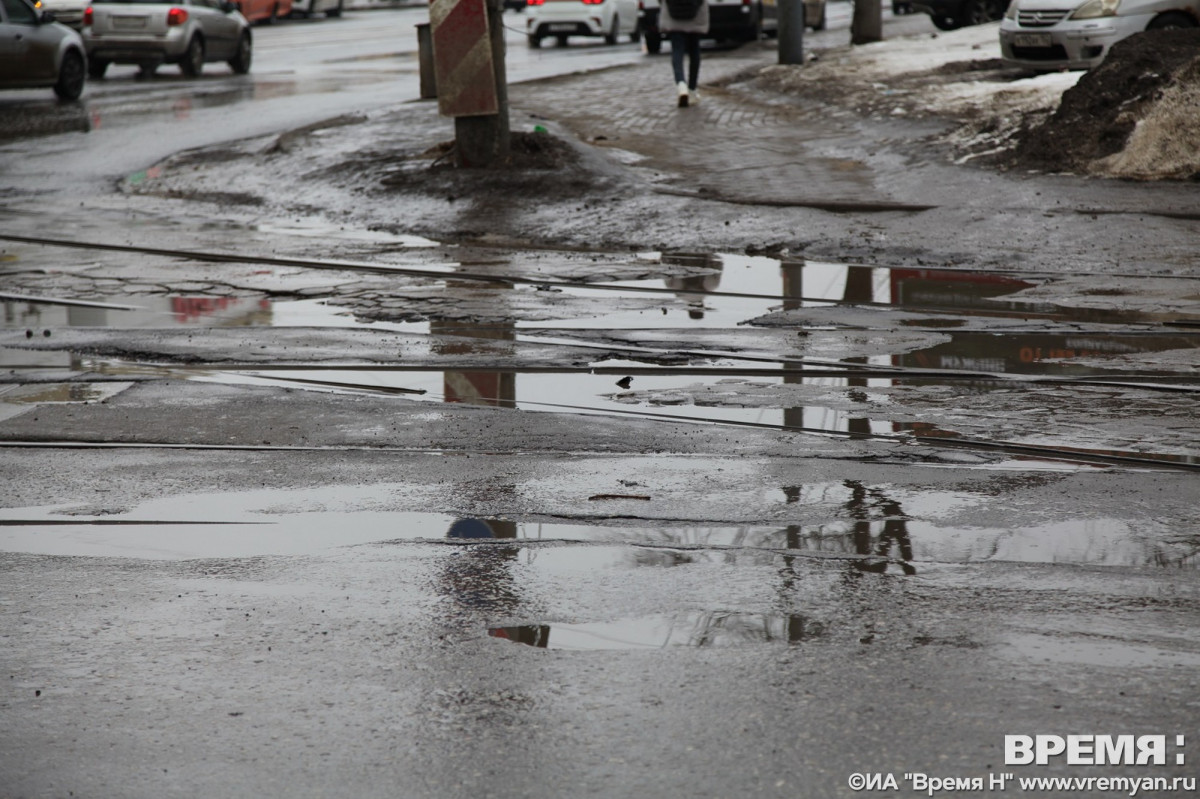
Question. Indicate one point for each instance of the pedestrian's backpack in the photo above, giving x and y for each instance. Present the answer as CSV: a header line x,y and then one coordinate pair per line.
x,y
683,9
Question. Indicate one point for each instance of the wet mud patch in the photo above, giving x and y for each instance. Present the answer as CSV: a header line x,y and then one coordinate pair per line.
x,y
540,165
529,150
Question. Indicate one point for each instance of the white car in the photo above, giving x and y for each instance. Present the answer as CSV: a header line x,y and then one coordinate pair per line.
x,y
560,19
306,8
1076,34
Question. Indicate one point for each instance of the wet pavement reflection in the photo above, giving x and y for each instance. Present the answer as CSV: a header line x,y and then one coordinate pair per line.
x,y
708,629
721,293
866,527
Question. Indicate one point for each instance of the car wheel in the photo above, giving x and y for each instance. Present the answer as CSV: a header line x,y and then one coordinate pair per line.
x,y
562,40
146,69
193,60
613,31
71,76
240,63
337,10
535,41
979,12
944,23
1170,20
97,67
653,43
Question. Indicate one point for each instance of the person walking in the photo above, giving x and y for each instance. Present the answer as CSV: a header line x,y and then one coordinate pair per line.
x,y
684,22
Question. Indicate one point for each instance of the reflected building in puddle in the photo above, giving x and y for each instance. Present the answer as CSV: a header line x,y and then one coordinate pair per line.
x,y
693,288
465,337
698,629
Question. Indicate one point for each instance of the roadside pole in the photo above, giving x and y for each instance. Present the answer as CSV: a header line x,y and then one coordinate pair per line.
x,y
866,25
472,85
791,31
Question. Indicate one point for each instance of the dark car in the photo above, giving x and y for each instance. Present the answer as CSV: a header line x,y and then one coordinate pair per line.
x,y
733,20
948,15
36,52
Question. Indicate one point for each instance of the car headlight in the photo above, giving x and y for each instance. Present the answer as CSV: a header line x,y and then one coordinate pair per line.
x,y
1097,8
1011,13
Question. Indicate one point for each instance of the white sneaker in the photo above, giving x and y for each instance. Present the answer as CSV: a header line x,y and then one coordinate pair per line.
x,y
683,94
693,96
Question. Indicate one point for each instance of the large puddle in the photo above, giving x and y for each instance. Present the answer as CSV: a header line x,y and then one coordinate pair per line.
x,y
971,334
709,629
859,529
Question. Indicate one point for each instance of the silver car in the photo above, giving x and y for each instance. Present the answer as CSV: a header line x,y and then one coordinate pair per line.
x,y
148,33
37,52
1076,34
68,12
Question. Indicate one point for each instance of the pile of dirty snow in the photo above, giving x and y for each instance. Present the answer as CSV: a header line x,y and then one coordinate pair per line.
x,y
1137,115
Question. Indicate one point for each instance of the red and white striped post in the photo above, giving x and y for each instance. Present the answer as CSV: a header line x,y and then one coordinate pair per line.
x,y
468,55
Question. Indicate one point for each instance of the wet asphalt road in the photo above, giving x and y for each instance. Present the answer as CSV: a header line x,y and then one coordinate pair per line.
x,y
361,512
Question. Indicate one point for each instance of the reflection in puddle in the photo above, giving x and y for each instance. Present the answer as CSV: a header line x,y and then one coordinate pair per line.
x,y
35,394
184,311
862,526
714,387
322,229
695,629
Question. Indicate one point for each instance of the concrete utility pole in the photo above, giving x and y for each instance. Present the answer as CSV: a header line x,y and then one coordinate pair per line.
x,y
867,24
791,31
472,86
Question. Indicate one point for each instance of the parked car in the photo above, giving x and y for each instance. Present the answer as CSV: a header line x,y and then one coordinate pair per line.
x,y
306,8
561,19
148,33
266,11
948,15
68,12
36,52
738,20
1077,34
652,37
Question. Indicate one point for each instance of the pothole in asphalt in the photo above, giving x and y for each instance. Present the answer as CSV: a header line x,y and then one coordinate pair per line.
x,y
710,629
862,524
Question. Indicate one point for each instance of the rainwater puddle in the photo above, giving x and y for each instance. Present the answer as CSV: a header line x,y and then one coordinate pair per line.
x,y
321,229
713,629
1106,652
54,393
15,398
713,386
43,318
905,531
